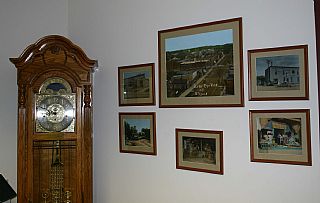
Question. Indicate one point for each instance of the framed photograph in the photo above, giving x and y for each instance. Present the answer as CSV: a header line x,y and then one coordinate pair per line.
x,y
136,85
278,73
138,133
199,150
201,65
280,136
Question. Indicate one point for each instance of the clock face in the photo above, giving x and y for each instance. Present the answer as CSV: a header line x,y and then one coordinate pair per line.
x,y
55,113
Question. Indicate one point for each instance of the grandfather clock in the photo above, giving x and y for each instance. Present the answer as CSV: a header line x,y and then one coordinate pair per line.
x,y
54,79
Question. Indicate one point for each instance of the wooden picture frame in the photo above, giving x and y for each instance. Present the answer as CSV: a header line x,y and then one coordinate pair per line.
x,y
137,133
317,29
201,65
136,85
280,136
279,73
199,150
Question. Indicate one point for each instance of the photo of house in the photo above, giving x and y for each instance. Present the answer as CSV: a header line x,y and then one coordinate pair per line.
x,y
136,85
278,73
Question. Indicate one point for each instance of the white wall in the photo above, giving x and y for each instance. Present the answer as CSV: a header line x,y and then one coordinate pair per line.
x,y
21,23
124,32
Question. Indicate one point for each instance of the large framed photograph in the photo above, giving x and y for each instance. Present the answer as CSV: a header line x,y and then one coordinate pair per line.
x,y
279,73
280,136
138,133
199,150
136,85
201,65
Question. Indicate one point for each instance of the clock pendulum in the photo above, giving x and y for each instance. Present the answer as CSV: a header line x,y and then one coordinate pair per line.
x,y
57,175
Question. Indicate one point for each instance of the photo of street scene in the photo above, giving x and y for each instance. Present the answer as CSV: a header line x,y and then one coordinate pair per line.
x,y
199,150
137,132
136,84
200,65
279,135
278,73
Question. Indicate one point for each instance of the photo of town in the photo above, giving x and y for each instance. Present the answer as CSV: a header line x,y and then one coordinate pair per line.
x,y
136,84
137,132
200,65
278,73
199,150
279,135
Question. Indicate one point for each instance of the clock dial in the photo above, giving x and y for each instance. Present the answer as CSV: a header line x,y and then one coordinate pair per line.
x,y
55,113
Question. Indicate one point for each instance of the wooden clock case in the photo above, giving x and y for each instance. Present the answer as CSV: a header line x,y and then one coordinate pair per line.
x,y
54,57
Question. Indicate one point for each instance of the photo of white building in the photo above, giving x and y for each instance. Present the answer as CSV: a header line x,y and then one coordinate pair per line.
x,y
282,75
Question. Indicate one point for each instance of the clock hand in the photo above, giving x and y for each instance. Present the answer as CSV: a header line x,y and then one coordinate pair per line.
x,y
40,107
46,111
50,112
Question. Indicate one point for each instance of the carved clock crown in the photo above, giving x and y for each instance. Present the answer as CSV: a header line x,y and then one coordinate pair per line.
x,y
60,55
